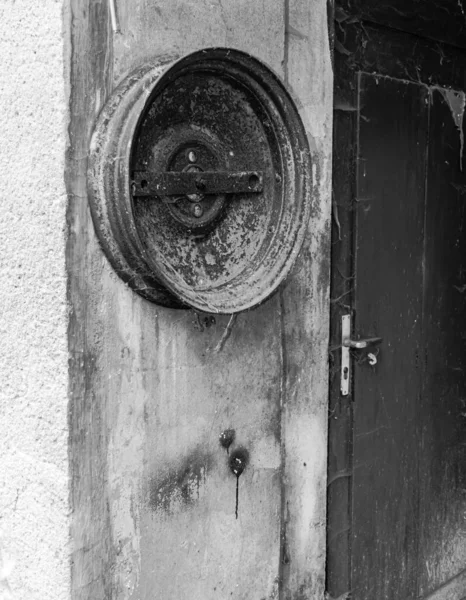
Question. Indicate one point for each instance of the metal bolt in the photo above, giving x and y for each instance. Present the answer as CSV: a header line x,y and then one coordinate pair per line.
x,y
253,181
200,184
197,210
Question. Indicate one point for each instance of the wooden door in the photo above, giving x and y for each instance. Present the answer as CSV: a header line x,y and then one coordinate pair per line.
x,y
157,511
397,452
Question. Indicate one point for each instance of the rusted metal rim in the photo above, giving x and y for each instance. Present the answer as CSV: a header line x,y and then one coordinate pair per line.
x,y
130,234
109,159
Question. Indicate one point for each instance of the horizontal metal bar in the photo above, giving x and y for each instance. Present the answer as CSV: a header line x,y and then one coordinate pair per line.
x,y
174,183
360,344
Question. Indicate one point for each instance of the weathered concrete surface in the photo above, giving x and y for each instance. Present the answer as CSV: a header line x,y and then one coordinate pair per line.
x,y
34,512
153,499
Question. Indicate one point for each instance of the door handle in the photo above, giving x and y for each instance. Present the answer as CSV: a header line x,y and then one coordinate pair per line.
x,y
346,344
360,344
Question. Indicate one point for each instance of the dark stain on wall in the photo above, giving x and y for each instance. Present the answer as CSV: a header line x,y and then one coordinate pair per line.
x,y
179,485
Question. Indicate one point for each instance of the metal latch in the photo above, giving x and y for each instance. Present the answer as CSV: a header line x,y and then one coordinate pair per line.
x,y
195,195
346,344
171,183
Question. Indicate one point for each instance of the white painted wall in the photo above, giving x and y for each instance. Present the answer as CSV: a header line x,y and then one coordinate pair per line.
x,y
34,514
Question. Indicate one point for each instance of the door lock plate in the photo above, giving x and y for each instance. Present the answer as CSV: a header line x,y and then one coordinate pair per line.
x,y
345,355
348,344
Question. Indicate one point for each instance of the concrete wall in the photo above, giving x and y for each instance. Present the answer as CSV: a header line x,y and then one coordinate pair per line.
x,y
34,513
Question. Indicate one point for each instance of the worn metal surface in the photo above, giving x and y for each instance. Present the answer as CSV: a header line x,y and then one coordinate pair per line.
x,y
172,183
196,198
235,114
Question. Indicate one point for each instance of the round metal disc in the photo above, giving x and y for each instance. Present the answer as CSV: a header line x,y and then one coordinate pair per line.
x,y
214,110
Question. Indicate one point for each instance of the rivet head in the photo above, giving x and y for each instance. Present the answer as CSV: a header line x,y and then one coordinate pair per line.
x,y
200,184
197,210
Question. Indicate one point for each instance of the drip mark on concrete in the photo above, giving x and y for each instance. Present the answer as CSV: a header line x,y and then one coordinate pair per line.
x,y
238,461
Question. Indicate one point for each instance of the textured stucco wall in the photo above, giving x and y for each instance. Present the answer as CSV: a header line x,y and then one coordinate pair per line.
x,y
34,514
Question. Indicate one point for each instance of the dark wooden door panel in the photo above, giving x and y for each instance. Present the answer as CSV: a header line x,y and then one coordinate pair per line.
x,y
408,465
442,548
393,127
340,408
443,20
397,464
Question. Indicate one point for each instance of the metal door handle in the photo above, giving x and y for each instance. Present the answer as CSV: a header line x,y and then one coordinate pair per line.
x,y
361,344
346,344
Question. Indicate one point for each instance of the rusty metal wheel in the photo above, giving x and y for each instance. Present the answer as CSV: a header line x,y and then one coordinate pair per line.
x,y
200,181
